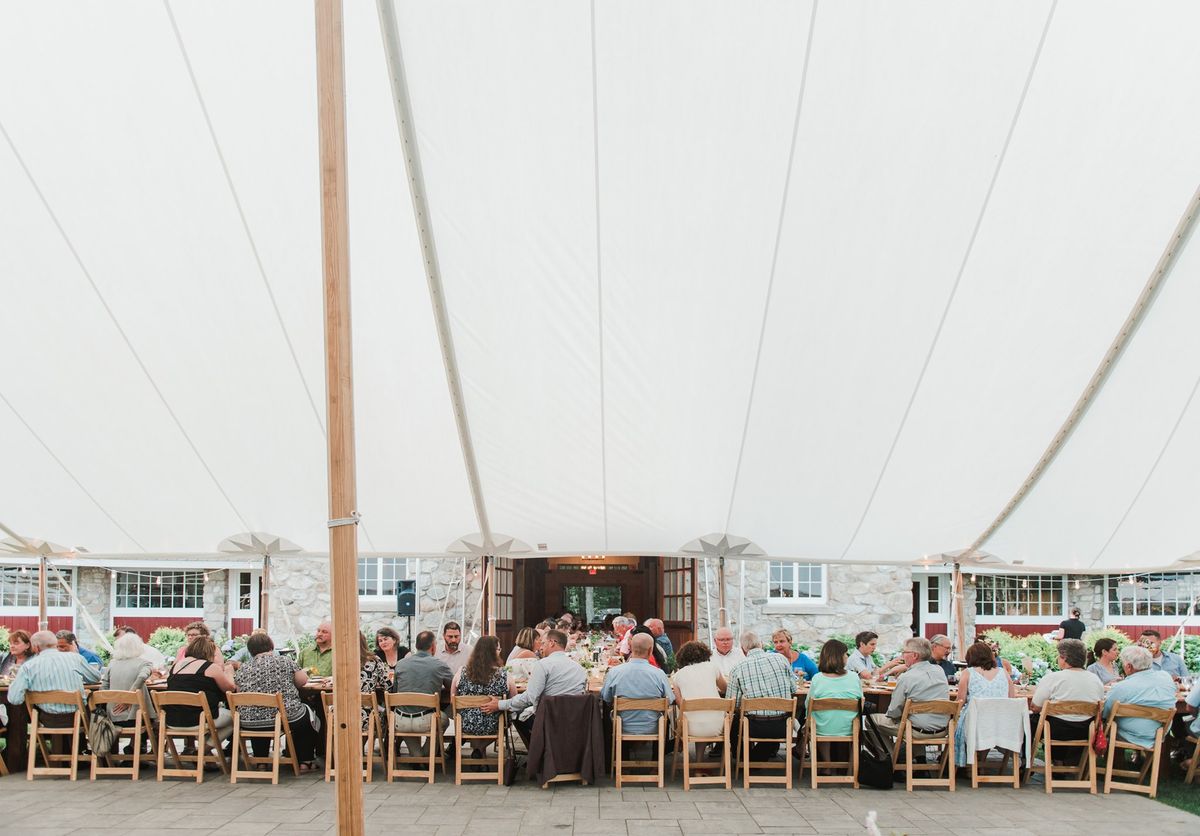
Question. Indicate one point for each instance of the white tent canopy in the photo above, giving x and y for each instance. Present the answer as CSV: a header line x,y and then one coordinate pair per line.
x,y
830,277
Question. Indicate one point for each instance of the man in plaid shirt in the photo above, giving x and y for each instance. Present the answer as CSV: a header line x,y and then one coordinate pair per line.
x,y
762,675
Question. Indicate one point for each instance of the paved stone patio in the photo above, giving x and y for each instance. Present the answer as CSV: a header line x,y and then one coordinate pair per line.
x,y
306,805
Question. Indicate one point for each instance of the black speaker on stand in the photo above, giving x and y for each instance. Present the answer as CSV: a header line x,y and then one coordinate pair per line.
x,y
406,603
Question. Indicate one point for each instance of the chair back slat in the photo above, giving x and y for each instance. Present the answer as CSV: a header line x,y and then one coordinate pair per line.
x,y
461,702
1059,708
1158,715
131,698
832,704
630,704
787,705
191,699
410,698
707,704
948,707
36,698
244,699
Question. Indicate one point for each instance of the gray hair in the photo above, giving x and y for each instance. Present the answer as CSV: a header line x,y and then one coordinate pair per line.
x,y
43,639
919,646
749,641
1073,653
1136,657
938,639
622,621
128,646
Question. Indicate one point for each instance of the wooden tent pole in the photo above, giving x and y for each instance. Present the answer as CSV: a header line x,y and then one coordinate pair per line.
x,y
960,621
264,596
43,619
723,616
339,392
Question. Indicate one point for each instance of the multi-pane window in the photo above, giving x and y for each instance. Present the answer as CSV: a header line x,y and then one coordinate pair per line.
x,y
377,576
502,585
159,590
801,582
933,594
677,577
1019,596
19,588
1153,594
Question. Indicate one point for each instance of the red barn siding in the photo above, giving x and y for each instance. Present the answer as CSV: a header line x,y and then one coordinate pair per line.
x,y
1132,630
242,626
29,623
933,628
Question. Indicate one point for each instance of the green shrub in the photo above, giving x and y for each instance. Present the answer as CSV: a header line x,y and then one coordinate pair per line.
x,y
103,652
167,640
4,639
1191,651
1031,655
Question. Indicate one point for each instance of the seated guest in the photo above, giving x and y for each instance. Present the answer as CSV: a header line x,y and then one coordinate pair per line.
x,y
51,670
1106,666
68,644
833,681
638,680
606,626
982,679
799,662
555,674
565,627
657,658
19,652
1162,659
920,682
862,658
482,676
454,653
1069,682
420,672
150,653
242,655
621,628
726,653
760,675
698,678
192,631
374,677
1142,685
198,673
270,673
388,648
659,631
1000,661
318,660
128,671
940,647
1193,702
524,646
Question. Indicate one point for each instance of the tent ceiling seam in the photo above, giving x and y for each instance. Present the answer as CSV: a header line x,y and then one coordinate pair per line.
x,y
237,202
962,267
783,204
599,282
70,475
390,32
112,317
1158,277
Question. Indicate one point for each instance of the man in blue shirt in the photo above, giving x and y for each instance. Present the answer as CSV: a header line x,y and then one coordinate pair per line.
x,y
52,670
1142,685
68,644
637,679
1163,660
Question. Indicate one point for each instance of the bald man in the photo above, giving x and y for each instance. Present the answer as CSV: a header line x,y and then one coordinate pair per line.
x,y
639,680
726,653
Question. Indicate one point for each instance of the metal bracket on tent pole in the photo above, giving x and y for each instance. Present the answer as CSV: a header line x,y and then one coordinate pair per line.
x,y
433,274
353,519
1158,278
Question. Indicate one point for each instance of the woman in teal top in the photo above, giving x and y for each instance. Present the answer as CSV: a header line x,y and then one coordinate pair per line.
x,y
834,682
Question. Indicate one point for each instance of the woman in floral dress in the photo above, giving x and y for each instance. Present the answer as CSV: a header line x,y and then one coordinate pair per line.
x,y
484,675
372,677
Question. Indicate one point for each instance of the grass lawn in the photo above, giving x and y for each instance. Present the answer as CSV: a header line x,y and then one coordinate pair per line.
x,y
1172,791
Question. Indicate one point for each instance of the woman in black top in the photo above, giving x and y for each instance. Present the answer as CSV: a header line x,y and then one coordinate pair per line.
x,y
197,674
1072,628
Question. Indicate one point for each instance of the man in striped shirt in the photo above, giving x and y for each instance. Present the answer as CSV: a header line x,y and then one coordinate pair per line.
x,y
51,670
762,675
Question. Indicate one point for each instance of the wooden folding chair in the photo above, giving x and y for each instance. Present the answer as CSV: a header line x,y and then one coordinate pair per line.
x,y
813,741
1192,771
243,752
371,736
205,733
1087,758
3,765
38,734
459,704
1006,774
395,761
912,737
659,738
747,766
685,740
1150,754
141,725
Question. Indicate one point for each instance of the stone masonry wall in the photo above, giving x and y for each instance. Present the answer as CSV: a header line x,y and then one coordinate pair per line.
x,y
93,589
860,597
216,591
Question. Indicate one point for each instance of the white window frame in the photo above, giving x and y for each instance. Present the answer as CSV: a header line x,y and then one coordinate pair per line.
x,y
797,604
1023,619
1139,620
233,596
51,584
196,614
383,603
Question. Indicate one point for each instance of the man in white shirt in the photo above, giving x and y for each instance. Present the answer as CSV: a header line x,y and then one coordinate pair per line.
x,y
726,654
453,652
